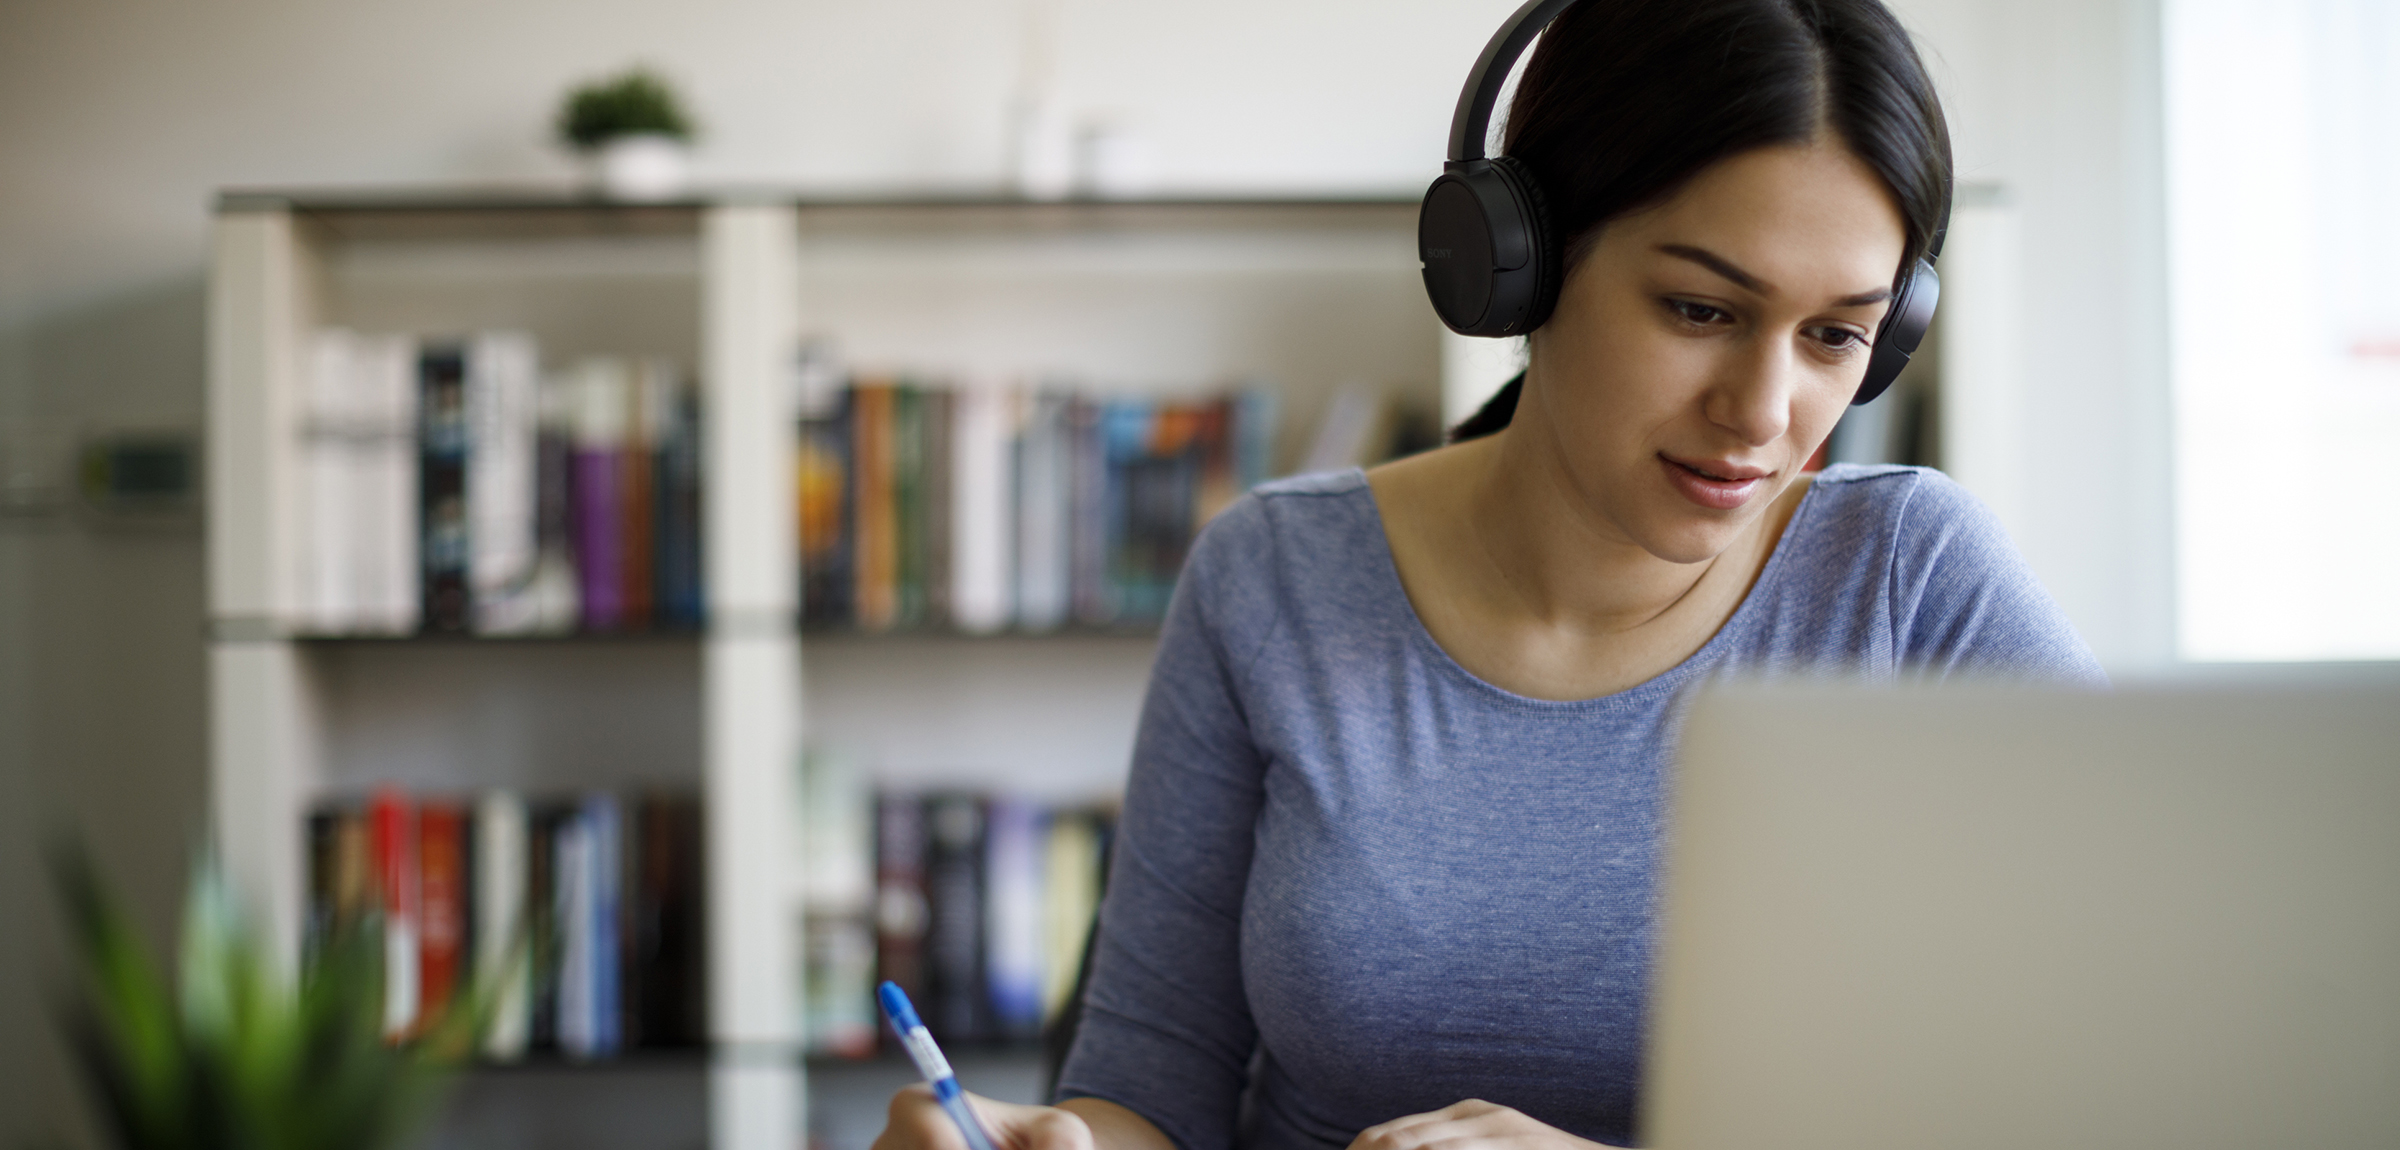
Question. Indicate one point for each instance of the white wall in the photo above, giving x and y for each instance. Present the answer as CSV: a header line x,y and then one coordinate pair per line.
x,y
118,121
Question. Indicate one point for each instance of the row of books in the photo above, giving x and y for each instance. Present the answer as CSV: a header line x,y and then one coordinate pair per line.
x,y
978,905
450,485
986,508
581,917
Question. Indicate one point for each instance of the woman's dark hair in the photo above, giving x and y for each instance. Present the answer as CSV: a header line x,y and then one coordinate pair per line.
x,y
1624,101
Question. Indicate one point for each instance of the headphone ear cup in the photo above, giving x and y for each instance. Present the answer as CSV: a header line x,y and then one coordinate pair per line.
x,y
1485,239
1541,237
1902,329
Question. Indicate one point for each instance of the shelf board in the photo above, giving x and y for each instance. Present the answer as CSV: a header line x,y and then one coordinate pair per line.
x,y
1145,632
681,1059
540,199
461,639
536,212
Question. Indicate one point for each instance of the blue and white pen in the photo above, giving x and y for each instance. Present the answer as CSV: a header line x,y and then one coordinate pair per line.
x,y
931,1064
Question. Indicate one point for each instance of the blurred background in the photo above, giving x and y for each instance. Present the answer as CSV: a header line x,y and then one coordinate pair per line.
x,y
2180,362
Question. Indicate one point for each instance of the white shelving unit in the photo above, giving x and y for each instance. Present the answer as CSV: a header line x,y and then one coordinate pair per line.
x,y
1152,296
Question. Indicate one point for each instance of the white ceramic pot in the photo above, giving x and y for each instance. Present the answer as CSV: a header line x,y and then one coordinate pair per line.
x,y
647,167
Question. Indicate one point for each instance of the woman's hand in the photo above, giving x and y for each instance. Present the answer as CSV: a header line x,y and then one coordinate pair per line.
x,y
917,1122
1470,1125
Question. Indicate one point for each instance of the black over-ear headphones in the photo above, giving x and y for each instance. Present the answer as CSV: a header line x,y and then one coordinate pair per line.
x,y
1493,260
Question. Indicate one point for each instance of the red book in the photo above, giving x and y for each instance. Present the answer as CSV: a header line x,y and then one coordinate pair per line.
x,y
441,908
392,853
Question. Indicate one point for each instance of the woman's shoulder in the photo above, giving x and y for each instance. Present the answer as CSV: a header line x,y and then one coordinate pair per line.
x,y
1283,537
1928,557
1918,512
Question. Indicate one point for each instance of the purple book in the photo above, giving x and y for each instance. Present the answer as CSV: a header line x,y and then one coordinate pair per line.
x,y
602,389
599,537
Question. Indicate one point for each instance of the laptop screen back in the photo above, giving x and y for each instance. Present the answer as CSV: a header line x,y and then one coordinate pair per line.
x,y
1994,917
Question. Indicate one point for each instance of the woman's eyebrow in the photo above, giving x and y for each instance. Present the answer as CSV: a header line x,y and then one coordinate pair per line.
x,y
1732,271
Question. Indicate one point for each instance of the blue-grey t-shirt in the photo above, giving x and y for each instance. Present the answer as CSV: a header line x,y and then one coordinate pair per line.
x,y
1355,882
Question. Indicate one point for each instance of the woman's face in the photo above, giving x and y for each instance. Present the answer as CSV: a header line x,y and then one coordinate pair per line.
x,y
1703,348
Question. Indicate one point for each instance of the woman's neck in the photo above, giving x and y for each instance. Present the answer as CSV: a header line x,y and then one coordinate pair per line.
x,y
1557,558
1525,586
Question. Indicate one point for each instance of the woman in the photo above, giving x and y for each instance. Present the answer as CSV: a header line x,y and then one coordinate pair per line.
x,y
1387,862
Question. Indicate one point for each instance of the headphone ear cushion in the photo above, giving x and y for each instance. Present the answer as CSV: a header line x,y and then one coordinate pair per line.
x,y
1542,237
1903,328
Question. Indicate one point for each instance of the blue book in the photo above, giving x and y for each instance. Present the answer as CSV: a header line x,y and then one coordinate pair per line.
x,y
603,823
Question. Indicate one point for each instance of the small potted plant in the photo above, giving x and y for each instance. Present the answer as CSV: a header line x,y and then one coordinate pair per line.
x,y
229,1050
635,132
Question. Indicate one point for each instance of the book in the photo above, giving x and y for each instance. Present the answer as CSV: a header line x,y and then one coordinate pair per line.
x,y
332,465
908,457
1354,430
1091,597
838,998
957,1003
651,394
556,594
666,1002
392,854
902,914
588,1005
681,592
547,824
601,411
1254,419
982,507
937,418
384,530
1070,903
341,892
838,898
502,947
503,379
441,910
1044,514
824,504
1015,933
443,535
875,538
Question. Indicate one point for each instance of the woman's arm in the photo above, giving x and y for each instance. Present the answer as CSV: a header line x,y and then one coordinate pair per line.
x,y
1162,1051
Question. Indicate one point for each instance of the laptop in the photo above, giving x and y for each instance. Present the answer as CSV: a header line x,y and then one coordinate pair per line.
x,y
1996,917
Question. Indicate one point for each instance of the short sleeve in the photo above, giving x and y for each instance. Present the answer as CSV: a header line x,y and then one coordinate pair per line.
x,y
1964,602
1166,1028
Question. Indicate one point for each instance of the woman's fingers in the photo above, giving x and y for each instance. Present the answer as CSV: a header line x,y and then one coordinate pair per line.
x,y
916,1121
1469,1125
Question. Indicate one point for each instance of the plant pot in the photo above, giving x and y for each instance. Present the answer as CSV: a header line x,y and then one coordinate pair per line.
x,y
646,167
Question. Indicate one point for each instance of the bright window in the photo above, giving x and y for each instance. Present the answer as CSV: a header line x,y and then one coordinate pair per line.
x,y
2283,183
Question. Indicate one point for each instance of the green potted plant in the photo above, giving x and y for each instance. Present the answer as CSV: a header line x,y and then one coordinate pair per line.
x,y
635,133
233,1052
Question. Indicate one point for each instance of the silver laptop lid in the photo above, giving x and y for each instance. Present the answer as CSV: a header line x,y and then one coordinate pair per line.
x,y
1991,917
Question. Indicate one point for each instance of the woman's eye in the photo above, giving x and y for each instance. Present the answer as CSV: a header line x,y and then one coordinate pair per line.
x,y
1698,313
1840,338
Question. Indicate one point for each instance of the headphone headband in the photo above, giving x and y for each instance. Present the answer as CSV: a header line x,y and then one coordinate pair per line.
x,y
1492,264
1473,120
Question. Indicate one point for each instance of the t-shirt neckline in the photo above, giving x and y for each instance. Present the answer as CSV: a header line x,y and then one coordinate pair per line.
x,y
1396,595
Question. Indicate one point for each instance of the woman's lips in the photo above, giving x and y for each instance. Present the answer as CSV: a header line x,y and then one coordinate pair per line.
x,y
1713,484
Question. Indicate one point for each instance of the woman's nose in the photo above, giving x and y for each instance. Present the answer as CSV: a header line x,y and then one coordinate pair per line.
x,y
1752,394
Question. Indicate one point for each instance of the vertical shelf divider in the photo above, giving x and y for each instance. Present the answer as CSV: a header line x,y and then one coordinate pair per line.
x,y
261,303
751,675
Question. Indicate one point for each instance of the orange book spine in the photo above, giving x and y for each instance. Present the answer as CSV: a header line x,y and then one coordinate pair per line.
x,y
877,594
441,908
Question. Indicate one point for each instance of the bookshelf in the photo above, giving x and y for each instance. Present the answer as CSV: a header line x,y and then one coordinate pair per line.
x,y
1160,296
